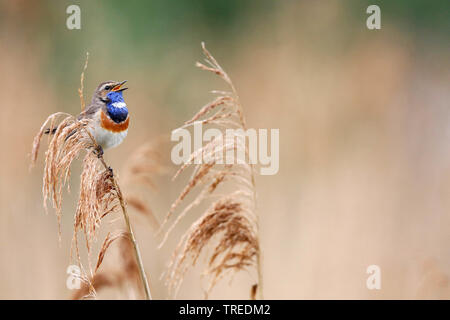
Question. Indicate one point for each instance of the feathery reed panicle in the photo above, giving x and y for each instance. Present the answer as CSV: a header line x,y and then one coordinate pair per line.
x,y
230,225
98,197
106,243
69,139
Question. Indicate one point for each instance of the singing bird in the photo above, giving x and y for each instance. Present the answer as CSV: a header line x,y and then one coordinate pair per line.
x,y
109,113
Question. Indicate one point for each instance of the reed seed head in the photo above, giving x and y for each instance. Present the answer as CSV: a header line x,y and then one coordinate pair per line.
x,y
230,224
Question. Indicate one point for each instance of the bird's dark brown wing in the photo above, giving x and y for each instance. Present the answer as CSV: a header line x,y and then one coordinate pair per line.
x,y
89,112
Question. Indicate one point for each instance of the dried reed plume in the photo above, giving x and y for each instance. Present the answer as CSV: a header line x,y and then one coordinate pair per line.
x,y
138,171
230,224
100,193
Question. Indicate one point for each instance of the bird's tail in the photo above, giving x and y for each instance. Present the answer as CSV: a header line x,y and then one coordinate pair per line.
x,y
50,131
53,130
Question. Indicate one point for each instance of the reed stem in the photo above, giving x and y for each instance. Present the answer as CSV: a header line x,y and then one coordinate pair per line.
x,y
137,253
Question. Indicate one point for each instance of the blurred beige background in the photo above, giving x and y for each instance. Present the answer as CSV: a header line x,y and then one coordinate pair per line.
x,y
364,133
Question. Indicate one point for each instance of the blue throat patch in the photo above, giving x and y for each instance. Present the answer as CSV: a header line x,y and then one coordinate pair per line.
x,y
116,114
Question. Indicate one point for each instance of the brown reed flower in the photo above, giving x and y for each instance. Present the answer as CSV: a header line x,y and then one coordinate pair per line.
x,y
99,199
231,221
67,142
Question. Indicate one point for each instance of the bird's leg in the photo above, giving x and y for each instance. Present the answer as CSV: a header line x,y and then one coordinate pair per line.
x,y
99,151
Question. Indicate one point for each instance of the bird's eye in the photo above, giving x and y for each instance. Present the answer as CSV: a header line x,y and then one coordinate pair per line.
x,y
108,88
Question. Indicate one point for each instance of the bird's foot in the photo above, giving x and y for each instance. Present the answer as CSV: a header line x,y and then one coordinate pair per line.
x,y
99,151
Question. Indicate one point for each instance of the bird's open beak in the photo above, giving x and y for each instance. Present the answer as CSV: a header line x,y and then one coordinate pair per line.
x,y
118,87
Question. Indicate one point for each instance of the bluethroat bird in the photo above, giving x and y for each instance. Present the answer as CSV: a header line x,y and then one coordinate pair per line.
x,y
109,113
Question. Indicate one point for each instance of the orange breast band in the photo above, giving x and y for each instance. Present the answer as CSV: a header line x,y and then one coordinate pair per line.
x,y
110,125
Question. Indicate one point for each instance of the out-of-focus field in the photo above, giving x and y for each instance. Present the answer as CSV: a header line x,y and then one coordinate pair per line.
x,y
364,121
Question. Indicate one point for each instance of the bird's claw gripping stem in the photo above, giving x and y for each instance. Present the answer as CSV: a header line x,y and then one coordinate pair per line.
x,y
99,151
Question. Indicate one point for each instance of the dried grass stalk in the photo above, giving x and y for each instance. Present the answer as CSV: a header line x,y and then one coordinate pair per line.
x,y
230,225
81,89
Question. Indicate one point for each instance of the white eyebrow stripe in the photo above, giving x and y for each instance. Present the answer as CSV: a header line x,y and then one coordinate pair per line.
x,y
119,104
